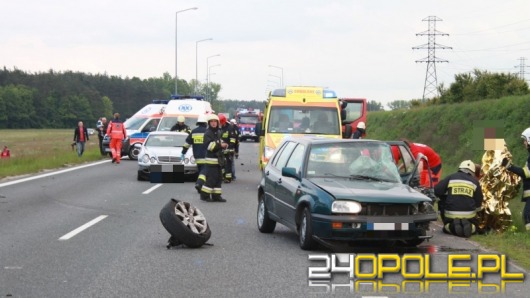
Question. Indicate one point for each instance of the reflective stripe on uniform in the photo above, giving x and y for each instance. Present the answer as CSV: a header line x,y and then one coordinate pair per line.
x,y
206,189
526,193
216,191
460,214
526,171
211,161
211,146
202,177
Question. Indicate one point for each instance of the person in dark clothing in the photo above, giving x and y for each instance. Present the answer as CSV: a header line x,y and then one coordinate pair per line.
x,y
236,147
80,138
213,162
102,130
460,198
524,173
229,136
180,125
360,132
196,141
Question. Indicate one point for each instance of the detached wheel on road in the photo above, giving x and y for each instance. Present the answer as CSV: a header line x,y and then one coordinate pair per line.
x,y
185,223
305,232
265,224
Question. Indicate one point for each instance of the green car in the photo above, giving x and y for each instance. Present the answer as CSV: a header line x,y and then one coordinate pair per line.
x,y
334,191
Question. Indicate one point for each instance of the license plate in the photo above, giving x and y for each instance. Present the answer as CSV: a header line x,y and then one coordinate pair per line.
x,y
387,226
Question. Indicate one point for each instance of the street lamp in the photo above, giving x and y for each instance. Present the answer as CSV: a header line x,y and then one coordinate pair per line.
x,y
208,63
197,61
176,24
281,79
208,74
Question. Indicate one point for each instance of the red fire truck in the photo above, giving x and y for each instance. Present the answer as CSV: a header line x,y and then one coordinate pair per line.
x,y
353,112
247,120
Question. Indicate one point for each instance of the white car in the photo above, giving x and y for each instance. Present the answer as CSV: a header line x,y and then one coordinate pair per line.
x,y
164,148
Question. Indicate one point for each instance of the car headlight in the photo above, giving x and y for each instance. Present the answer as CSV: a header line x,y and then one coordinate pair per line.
x,y
268,152
186,160
192,159
346,207
145,158
153,160
426,208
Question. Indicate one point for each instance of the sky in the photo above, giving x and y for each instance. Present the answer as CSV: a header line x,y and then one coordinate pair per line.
x,y
358,48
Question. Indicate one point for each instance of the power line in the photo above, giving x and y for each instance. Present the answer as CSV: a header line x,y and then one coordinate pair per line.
x,y
431,81
522,68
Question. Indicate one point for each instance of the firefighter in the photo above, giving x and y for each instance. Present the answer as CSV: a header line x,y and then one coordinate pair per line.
x,y
195,139
116,131
460,198
360,132
180,125
435,163
524,173
213,161
236,148
229,136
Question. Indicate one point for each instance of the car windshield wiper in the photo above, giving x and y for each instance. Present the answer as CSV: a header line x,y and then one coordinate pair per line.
x,y
334,175
364,177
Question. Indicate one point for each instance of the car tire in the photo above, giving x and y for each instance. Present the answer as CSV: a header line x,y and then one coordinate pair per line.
x,y
185,223
141,176
133,153
305,231
265,223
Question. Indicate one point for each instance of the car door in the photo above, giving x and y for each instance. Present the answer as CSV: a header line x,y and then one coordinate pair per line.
x,y
404,160
273,174
288,187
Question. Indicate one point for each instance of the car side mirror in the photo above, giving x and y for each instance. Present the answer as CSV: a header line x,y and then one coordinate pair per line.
x,y
290,172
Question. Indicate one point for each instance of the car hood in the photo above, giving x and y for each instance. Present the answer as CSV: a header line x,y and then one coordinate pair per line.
x,y
370,191
163,151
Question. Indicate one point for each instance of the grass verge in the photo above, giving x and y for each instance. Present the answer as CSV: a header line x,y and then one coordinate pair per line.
x,y
36,150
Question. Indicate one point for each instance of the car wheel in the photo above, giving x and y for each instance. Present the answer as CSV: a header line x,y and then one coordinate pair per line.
x,y
133,153
185,223
305,232
265,223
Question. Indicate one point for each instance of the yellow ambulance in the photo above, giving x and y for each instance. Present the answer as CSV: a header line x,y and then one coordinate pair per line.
x,y
297,111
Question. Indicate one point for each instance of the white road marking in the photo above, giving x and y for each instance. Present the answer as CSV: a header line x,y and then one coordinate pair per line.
x,y
51,174
83,227
152,188
13,267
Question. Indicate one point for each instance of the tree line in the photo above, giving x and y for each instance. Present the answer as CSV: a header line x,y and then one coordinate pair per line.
x,y
61,99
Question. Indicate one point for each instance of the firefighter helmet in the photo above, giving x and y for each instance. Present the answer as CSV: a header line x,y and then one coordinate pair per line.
x,y
526,135
212,117
222,119
201,119
361,125
181,119
467,165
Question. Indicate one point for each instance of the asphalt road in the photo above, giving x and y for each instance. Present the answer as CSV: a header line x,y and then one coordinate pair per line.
x,y
123,252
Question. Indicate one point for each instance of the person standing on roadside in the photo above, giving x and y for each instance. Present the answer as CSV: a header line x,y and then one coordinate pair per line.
x,y
524,173
80,138
360,131
211,190
116,131
195,140
236,147
102,130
